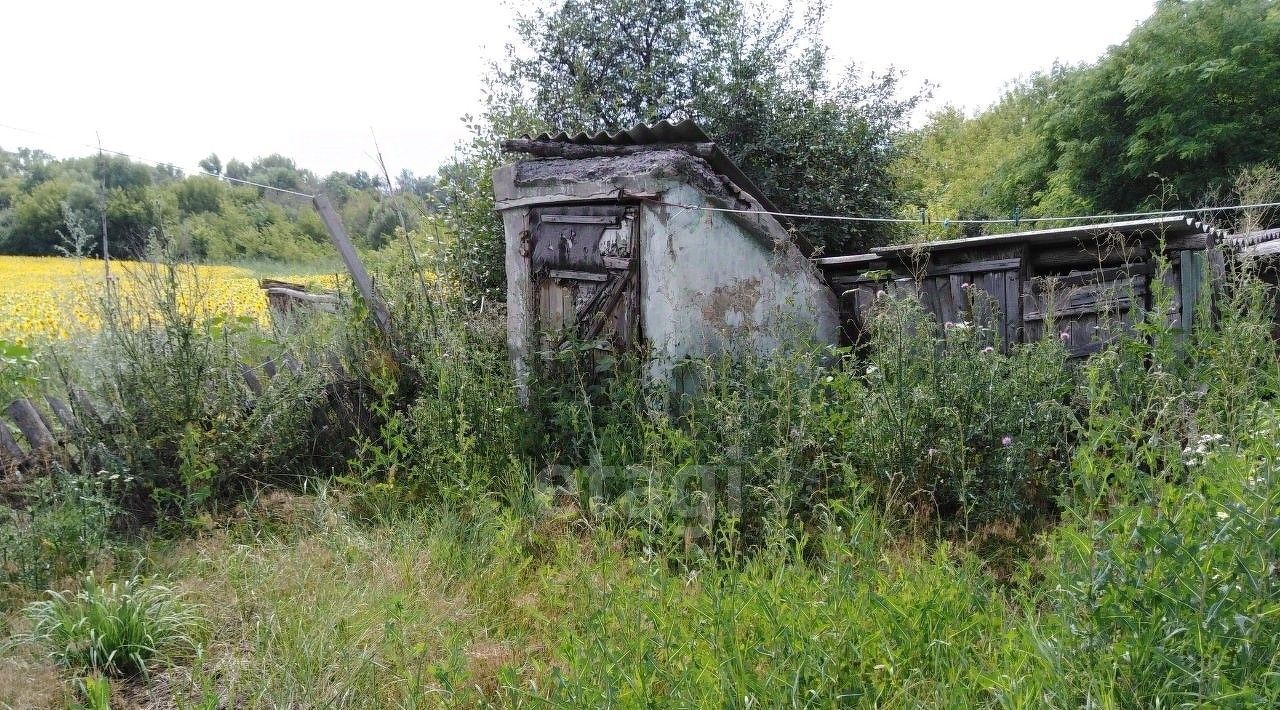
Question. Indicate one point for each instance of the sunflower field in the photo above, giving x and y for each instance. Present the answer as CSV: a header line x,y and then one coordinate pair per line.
x,y
44,298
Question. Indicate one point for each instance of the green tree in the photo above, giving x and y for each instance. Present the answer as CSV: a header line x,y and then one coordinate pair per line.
x,y
756,79
1190,97
40,214
211,164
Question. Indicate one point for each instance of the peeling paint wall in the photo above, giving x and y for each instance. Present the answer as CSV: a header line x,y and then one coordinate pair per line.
x,y
709,286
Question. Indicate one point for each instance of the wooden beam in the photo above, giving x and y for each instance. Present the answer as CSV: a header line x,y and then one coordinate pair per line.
x,y
63,413
338,235
973,267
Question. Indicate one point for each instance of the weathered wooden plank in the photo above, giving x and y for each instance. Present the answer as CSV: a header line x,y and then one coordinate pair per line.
x,y
269,369
1194,242
291,364
251,380
359,276
929,299
975,267
31,424
947,308
1135,273
1039,294
9,448
1084,299
1116,307
64,414
576,275
1012,307
1189,283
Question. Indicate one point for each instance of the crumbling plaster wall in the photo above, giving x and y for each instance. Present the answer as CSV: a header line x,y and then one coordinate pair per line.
x,y
711,282
711,286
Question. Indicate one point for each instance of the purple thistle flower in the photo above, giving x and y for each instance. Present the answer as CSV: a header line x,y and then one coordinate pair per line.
x,y
1007,440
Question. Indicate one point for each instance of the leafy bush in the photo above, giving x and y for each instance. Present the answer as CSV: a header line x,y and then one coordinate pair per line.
x,y
184,425
444,420
59,525
19,369
947,424
124,629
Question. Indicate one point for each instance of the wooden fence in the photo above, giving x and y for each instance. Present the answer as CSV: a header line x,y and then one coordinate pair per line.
x,y
34,432
1091,282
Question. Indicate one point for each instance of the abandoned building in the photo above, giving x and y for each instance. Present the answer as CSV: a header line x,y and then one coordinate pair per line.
x,y
608,239
652,238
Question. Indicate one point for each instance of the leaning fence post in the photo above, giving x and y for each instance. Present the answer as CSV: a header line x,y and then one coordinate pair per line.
x,y
31,424
338,235
9,446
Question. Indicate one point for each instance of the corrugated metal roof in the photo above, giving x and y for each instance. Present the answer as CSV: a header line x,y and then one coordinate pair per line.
x,y
1263,242
1252,238
1170,226
686,131
665,133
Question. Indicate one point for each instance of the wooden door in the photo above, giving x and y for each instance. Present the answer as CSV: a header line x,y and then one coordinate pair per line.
x,y
585,269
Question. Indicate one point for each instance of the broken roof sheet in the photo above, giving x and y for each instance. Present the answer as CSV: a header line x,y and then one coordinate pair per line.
x,y
1168,226
665,133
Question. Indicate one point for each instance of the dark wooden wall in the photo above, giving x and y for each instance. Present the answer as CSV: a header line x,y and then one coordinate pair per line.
x,y
1085,293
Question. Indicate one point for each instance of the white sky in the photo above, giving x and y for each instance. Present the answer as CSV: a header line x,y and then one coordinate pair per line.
x,y
174,81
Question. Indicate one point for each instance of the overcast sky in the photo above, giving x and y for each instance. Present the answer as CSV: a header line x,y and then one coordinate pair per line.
x,y
174,81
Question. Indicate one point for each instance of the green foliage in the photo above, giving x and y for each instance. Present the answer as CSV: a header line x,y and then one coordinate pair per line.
x,y
757,79
949,425
217,220
447,421
59,524
186,433
19,369
990,166
1188,97
1171,115
124,629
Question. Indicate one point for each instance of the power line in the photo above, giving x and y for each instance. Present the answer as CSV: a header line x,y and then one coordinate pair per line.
x,y
908,220
164,164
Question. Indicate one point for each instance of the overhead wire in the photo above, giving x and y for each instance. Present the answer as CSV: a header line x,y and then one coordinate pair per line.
x,y
909,220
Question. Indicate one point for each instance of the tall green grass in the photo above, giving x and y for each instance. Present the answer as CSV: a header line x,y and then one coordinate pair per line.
x,y
123,629
922,521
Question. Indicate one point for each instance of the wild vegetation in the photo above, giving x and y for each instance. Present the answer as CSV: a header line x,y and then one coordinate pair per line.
x,y
921,520
1165,119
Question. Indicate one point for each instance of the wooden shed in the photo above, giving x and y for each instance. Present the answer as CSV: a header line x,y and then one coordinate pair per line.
x,y
649,240
1090,282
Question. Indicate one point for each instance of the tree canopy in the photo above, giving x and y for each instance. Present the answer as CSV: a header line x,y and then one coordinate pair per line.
x,y
1166,119
759,80
41,196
